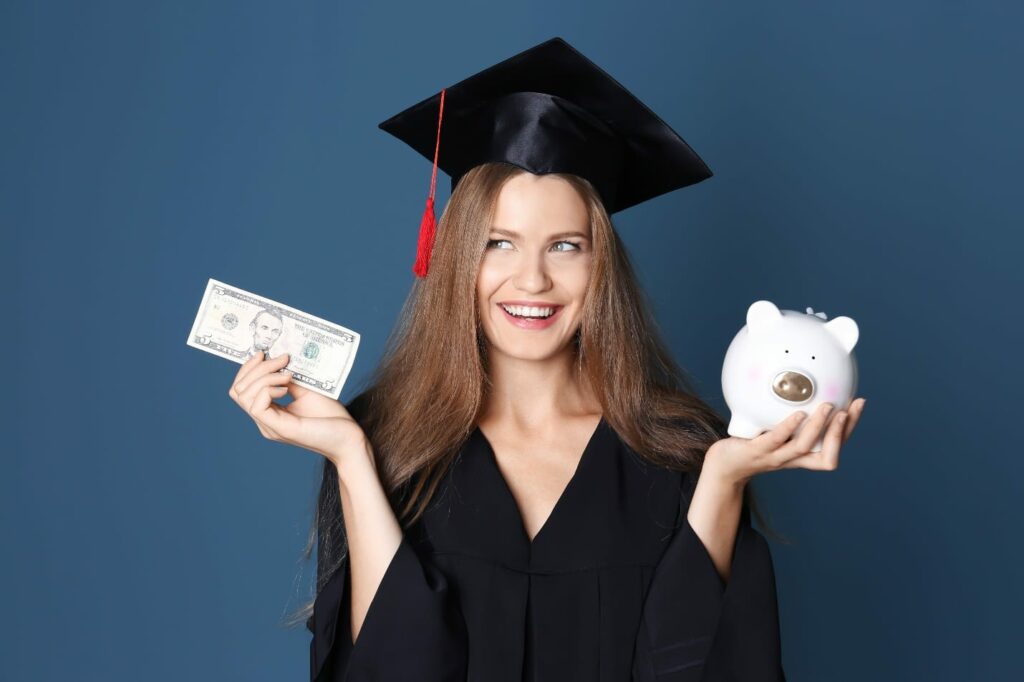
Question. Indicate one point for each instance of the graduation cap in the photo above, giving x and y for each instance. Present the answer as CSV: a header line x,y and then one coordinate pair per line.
x,y
548,109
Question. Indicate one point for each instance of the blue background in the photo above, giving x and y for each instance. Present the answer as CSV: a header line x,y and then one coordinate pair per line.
x,y
867,163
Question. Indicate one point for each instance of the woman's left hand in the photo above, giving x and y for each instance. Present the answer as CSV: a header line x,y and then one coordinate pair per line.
x,y
737,460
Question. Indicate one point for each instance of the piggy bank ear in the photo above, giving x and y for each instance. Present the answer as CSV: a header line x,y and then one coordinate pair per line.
x,y
845,330
762,315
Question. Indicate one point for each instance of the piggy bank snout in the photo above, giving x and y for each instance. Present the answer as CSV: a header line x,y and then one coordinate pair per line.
x,y
793,386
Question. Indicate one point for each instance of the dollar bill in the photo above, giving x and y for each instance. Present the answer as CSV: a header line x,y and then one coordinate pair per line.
x,y
235,324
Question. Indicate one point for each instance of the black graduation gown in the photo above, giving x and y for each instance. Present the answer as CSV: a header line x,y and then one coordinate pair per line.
x,y
615,587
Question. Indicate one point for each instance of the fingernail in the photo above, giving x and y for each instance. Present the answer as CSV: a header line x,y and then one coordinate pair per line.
x,y
828,408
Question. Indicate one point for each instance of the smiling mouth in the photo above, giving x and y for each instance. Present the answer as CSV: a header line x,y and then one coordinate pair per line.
x,y
529,312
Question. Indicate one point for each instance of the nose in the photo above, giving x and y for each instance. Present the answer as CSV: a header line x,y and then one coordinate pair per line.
x,y
793,386
532,274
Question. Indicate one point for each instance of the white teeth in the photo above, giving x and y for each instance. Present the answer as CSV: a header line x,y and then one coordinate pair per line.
x,y
528,311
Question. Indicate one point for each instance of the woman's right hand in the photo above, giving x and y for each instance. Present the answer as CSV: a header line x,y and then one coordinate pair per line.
x,y
311,421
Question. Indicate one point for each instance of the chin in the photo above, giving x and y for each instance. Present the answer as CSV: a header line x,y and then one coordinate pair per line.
x,y
530,351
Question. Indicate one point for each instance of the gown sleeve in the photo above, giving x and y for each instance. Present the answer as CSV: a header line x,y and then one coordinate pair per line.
x,y
696,628
413,629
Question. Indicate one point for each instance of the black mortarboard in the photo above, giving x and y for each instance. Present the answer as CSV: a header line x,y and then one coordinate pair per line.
x,y
547,110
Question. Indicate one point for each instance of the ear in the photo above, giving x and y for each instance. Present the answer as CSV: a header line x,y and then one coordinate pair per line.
x,y
845,330
762,315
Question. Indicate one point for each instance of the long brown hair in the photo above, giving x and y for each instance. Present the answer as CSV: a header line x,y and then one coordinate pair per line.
x,y
424,398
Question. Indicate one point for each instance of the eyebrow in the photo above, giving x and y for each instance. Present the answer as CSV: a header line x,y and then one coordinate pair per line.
x,y
559,235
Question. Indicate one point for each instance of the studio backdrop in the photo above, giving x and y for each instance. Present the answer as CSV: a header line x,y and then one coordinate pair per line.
x,y
866,163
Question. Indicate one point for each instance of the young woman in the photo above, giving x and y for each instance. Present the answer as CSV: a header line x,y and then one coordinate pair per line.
x,y
529,489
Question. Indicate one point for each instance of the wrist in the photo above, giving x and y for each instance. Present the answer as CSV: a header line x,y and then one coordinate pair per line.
x,y
353,462
719,475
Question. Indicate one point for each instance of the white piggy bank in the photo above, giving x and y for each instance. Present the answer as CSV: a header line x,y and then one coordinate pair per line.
x,y
783,361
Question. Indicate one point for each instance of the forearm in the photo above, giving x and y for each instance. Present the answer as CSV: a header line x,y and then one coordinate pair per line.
x,y
373,532
714,515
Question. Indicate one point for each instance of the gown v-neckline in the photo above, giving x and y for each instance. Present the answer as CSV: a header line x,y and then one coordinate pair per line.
x,y
510,499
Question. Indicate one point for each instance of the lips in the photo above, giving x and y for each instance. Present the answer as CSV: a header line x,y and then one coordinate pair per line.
x,y
540,311
531,323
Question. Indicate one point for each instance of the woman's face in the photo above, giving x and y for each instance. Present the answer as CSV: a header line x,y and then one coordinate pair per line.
x,y
535,267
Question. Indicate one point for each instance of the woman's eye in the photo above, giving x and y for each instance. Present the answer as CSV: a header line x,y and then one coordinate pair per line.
x,y
575,245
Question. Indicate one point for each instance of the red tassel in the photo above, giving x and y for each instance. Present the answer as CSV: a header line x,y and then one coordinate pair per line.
x,y
427,224
426,240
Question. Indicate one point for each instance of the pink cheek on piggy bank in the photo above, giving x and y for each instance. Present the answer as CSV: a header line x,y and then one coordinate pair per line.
x,y
830,392
754,375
